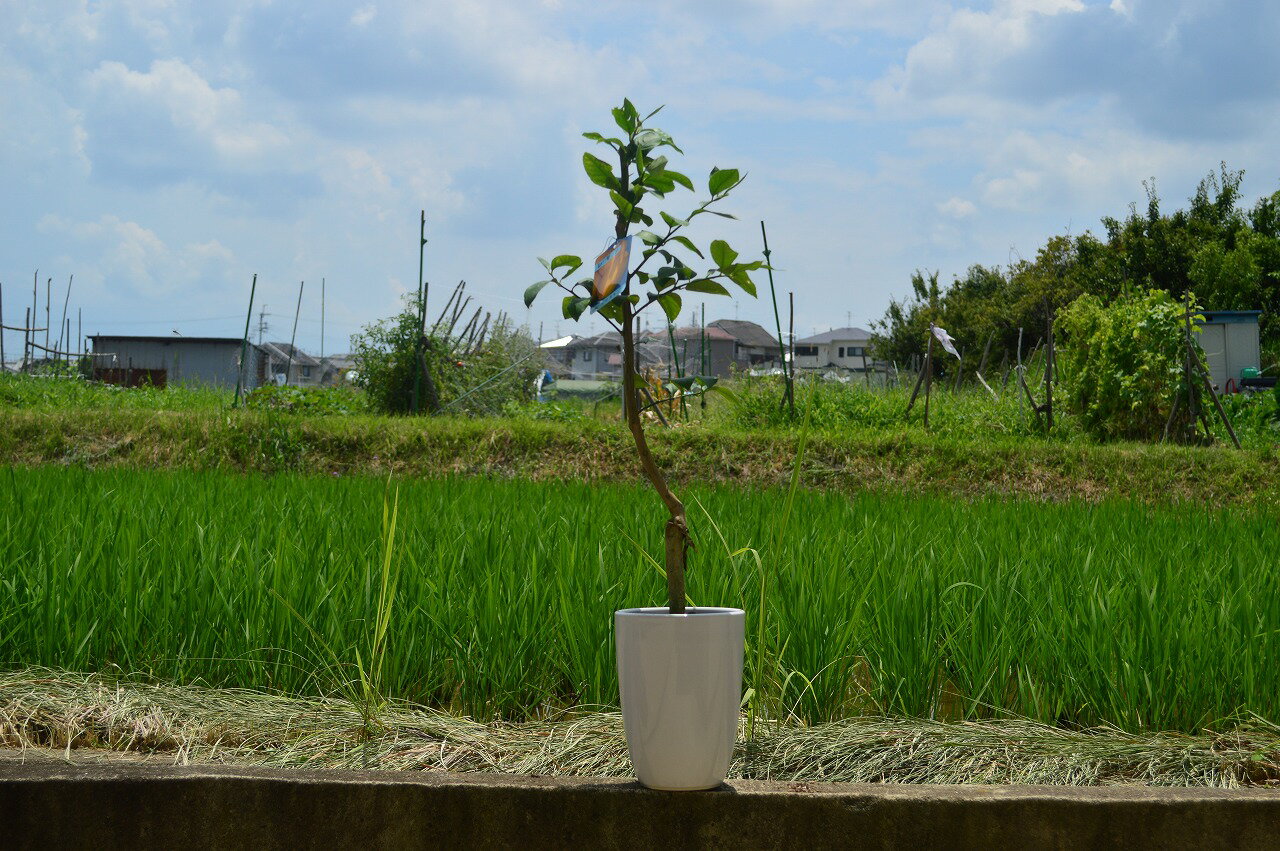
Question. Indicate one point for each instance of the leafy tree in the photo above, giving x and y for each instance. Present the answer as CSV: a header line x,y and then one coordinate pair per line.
x,y
1228,255
642,179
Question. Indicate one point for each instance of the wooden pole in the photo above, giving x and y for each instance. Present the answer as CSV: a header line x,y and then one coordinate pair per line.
x,y
48,294
244,344
1208,383
1020,374
1048,372
791,349
959,372
322,318
928,352
26,337
928,378
294,336
1186,361
2,361
66,301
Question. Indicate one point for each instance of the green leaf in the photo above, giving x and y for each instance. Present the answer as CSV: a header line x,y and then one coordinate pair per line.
x,y
685,382
544,263
624,206
656,164
671,305
599,172
612,310
722,255
672,221
707,381
687,243
573,306
624,118
743,280
659,182
608,140
532,292
725,392
648,237
655,112
679,178
648,139
570,260
702,285
721,180
722,215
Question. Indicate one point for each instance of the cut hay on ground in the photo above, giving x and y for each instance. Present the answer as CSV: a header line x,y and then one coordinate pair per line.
x,y
43,708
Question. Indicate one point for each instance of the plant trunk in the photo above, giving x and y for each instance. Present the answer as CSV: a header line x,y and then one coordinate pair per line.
x,y
677,531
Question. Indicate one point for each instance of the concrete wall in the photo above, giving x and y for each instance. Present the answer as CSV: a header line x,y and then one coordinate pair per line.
x,y
213,363
53,804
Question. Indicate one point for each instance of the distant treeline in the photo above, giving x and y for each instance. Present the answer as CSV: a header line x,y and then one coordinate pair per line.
x,y
1226,255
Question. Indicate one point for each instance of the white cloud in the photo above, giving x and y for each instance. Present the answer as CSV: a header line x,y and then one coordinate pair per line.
x,y
216,116
956,208
362,16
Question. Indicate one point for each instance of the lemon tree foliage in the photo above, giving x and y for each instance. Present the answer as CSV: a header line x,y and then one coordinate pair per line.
x,y
638,178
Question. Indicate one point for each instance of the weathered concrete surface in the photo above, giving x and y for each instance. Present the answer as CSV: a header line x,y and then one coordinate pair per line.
x,y
45,803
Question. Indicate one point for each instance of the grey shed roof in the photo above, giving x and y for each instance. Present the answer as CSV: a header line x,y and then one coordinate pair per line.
x,y
835,335
746,333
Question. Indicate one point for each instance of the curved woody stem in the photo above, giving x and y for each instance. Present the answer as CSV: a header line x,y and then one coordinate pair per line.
x,y
677,528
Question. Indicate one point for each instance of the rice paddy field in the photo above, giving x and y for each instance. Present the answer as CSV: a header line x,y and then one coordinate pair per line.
x,y
494,598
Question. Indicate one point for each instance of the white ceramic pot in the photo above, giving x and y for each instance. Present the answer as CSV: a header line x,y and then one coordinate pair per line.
x,y
681,686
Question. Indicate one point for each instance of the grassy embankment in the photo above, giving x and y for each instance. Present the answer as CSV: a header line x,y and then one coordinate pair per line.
x,y
1139,616
859,442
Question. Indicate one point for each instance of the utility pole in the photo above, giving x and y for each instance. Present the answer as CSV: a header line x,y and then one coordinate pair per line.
x,y
262,322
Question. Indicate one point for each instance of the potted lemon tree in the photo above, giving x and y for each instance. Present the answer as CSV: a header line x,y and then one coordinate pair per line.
x,y
679,667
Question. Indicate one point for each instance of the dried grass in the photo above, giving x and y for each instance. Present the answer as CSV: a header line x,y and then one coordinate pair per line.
x,y
46,708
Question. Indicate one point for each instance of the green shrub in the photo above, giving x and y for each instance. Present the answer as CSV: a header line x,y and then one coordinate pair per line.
x,y
309,400
1123,364
478,379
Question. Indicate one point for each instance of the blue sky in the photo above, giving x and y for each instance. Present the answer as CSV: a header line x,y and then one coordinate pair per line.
x,y
164,151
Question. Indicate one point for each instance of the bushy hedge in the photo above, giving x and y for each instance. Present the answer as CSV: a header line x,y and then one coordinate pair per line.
x,y
1123,364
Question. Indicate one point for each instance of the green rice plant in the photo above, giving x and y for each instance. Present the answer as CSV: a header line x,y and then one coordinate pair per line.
x,y
495,602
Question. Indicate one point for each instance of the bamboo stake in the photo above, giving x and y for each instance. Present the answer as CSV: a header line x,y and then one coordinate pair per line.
x,y
65,302
928,378
294,336
788,393
244,343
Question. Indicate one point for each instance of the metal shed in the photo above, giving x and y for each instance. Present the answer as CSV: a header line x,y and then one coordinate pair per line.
x,y
1230,342
160,361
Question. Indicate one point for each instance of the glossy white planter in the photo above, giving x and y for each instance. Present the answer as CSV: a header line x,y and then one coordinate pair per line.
x,y
681,683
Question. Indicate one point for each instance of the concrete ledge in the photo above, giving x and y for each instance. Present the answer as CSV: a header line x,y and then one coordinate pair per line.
x,y
46,803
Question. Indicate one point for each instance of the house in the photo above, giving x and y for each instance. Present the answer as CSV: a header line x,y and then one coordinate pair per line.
x,y
559,354
337,369
133,361
1230,342
843,348
597,356
720,345
303,370
753,345
600,356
